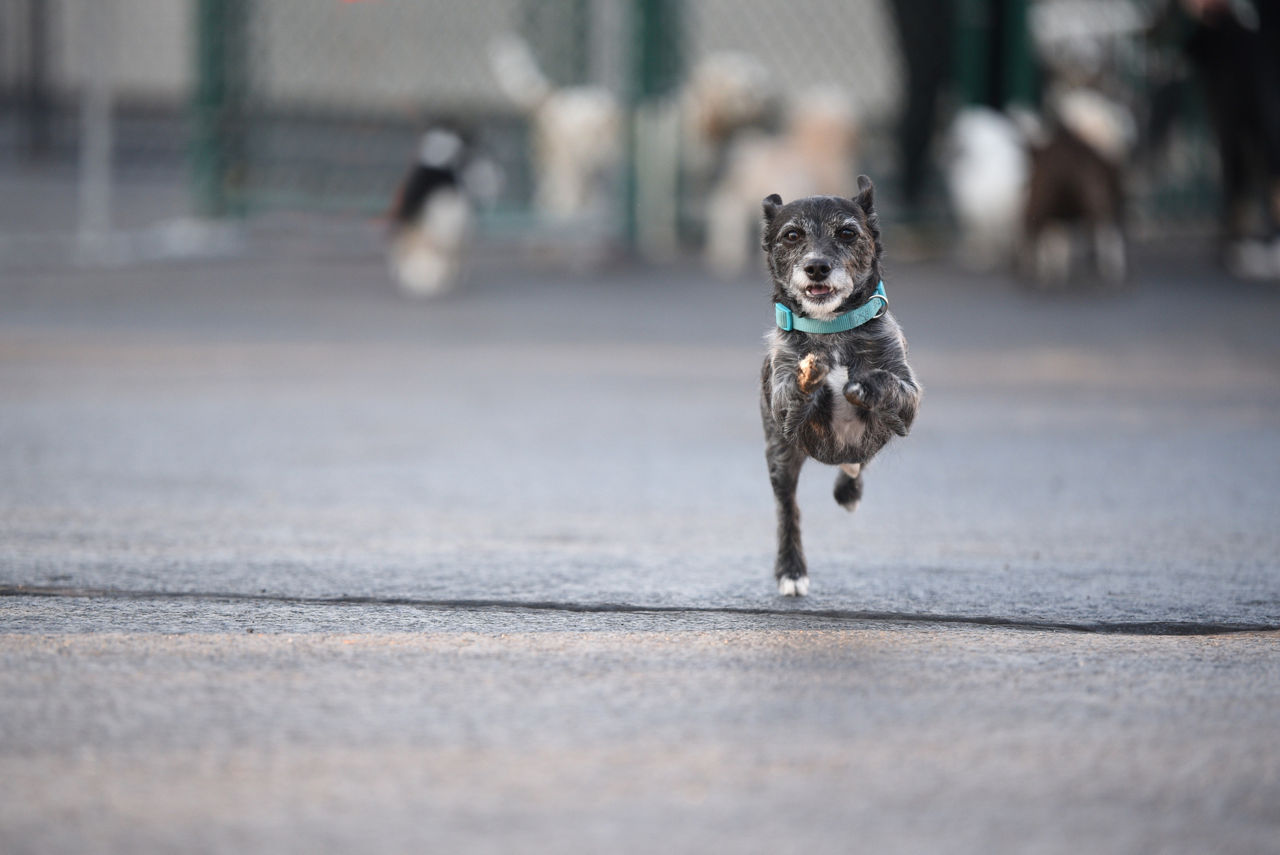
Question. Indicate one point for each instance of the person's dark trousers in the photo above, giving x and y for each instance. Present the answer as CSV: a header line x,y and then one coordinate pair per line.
x,y
926,29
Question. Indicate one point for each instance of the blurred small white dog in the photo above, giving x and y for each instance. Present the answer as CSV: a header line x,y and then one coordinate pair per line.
x,y
987,167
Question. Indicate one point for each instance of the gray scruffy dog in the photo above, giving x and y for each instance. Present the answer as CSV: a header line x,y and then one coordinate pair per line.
x,y
836,385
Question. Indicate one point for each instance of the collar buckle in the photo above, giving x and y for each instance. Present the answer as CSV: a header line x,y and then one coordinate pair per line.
x,y
783,316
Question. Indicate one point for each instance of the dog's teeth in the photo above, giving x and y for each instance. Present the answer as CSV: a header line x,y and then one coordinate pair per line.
x,y
789,587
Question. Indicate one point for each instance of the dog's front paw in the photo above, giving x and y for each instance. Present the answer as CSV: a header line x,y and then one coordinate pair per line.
x,y
793,586
810,373
868,390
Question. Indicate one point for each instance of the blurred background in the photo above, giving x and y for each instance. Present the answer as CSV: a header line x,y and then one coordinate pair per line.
x,y
594,129
523,533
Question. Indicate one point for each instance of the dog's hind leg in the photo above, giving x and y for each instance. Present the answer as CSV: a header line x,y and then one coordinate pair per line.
x,y
1109,250
1052,248
848,491
785,461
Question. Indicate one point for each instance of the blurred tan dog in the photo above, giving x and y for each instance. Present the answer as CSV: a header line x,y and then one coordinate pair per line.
x,y
727,93
814,155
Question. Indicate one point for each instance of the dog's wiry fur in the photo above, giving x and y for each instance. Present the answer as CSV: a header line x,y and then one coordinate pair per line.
x,y
836,397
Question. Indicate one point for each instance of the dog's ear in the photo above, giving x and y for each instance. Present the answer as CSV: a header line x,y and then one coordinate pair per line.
x,y
771,205
866,197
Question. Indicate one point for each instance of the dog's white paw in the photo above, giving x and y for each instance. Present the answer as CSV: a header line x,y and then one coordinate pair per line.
x,y
789,587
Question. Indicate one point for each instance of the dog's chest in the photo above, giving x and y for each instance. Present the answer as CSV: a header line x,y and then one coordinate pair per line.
x,y
847,425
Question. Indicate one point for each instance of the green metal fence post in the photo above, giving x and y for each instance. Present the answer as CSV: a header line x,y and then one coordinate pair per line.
x,y
218,106
1019,63
994,61
972,39
655,72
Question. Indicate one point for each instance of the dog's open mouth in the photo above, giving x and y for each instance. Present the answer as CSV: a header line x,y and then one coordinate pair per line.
x,y
819,291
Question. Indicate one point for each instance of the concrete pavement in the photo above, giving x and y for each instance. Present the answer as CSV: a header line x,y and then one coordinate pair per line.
x,y
464,732
289,563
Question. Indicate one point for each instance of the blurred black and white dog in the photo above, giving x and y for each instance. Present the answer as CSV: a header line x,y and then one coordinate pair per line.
x,y
836,385
431,216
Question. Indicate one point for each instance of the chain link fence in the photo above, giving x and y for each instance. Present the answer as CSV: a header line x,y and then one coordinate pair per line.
x,y
118,114
94,135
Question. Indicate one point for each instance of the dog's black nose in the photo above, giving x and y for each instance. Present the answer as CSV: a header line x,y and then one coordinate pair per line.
x,y
817,270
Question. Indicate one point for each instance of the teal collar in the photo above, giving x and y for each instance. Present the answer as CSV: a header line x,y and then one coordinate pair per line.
x,y
873,308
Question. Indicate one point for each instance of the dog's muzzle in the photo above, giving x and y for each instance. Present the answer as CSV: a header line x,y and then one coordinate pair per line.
x,y
817,271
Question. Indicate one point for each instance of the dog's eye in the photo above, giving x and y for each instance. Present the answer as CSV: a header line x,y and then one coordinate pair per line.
x,y
792,235
847,233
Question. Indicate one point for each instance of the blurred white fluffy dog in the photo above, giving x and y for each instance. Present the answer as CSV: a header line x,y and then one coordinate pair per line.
x,y
987,166
576,134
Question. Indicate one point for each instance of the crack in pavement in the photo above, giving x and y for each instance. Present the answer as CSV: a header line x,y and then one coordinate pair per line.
x,y
1157,628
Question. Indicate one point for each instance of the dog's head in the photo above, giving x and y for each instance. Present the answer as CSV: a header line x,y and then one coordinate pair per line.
x,y
823,251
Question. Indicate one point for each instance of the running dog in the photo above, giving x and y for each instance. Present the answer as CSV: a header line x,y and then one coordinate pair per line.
x,y
836,385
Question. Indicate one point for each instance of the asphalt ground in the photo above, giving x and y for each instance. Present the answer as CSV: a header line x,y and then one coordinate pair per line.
x,y
289,563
